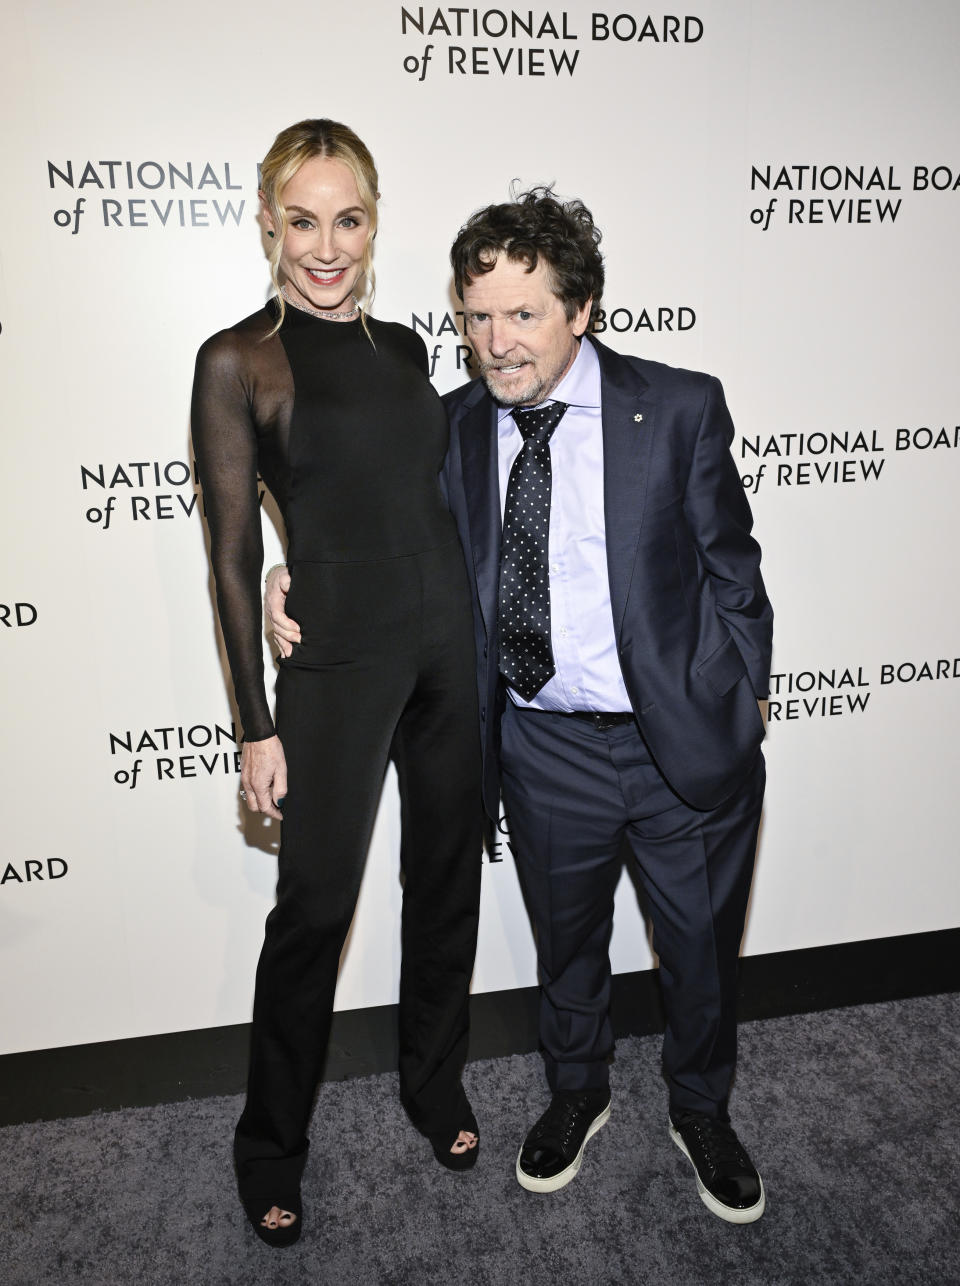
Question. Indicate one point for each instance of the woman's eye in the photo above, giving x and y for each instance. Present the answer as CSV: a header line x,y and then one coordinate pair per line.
x,y
349,222
302,225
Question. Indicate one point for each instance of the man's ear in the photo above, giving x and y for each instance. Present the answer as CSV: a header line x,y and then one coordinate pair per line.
x,y
581,322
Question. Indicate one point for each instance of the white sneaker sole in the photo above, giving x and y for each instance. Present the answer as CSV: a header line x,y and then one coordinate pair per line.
x,y
729,1213
563,1178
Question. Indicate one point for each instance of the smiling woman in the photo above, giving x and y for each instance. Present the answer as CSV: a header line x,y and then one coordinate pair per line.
x,y
321,252
335,411
321,214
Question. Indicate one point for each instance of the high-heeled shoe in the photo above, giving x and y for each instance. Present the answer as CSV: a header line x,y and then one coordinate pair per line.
x,y
256,1209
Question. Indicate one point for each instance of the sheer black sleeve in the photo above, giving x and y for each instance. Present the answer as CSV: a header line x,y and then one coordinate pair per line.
x,y
225,444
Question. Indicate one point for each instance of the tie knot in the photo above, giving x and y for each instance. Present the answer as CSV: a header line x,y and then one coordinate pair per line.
x,y
538,421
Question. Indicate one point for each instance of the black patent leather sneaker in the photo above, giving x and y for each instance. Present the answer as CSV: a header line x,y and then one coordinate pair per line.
x,y
553,1150
727,1179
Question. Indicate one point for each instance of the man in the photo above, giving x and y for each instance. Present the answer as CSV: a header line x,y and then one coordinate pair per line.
x,y
623,637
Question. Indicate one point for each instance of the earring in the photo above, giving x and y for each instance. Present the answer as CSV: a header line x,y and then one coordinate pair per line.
x,y
270,235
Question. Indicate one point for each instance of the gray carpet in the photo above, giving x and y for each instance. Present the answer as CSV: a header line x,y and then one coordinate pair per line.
x,y
850,1115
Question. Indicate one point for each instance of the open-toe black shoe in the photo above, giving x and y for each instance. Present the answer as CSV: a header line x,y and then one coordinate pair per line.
x,y
256,1210
442,1143
443,1140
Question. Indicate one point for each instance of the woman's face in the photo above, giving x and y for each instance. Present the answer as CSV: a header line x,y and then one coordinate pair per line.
x,y
327,231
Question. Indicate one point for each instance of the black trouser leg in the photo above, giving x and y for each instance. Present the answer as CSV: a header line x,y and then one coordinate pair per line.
x,y
410,681
437,753
333,792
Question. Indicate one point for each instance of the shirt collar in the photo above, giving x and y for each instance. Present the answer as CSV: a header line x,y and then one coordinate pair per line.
x,y
579,387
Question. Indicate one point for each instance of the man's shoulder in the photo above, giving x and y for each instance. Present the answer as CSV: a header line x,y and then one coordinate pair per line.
x,y
461,400
618,367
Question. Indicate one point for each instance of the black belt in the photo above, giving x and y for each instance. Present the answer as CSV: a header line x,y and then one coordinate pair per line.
x,y
601,721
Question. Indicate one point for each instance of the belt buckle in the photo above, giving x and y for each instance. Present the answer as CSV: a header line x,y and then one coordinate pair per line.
x,y
602,722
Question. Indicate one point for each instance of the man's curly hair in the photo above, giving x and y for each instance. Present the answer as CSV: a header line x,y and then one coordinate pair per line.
x,y
535,226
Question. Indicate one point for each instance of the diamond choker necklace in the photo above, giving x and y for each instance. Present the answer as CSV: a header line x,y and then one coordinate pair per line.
x,y
320,312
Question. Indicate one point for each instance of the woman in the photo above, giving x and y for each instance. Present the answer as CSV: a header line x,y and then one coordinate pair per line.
x,y
336,412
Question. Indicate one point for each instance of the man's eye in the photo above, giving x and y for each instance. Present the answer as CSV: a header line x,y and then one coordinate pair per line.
x,y
474,318
524,316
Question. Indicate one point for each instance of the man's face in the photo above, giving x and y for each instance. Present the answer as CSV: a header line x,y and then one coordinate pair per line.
x,y
520,331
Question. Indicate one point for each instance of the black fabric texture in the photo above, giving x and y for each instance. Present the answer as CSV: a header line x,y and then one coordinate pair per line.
x,y
393,679
349,437
348,434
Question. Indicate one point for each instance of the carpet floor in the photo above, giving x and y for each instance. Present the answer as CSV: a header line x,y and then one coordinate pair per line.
x,y
850,1115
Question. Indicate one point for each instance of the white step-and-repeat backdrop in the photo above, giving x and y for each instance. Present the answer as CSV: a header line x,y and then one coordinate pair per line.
x,y
778,185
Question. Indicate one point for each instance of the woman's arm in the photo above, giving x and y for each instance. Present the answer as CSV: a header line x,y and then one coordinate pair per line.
x,y
225,444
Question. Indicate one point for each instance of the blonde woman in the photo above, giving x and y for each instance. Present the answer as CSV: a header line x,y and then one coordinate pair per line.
x,y
335,410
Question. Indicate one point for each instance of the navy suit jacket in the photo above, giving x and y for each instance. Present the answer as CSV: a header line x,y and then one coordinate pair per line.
x,y
692,620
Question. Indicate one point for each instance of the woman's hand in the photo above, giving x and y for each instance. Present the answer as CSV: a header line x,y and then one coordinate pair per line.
x,y
263,776
285,631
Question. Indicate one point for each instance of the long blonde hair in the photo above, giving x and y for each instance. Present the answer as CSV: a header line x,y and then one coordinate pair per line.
x,y
291,149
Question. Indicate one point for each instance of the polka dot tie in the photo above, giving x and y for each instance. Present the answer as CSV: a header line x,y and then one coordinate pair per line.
x,y
526,657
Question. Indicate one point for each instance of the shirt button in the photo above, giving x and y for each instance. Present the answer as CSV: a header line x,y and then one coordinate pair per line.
x,y
554,567
575,691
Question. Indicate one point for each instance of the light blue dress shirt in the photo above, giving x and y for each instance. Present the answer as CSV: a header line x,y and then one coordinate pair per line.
x,y
588,673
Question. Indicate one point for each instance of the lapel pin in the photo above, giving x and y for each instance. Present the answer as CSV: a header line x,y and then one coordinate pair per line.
x,y
639,418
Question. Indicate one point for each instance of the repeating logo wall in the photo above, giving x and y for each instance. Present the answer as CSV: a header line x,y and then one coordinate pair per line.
x,y
813,195
33,870
818,694
142,491
173,206
825,458
499,843
527,42
792,240
174,752
17,615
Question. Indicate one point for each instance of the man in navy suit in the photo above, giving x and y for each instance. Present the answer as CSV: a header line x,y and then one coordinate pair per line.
x,y
647,725
623,636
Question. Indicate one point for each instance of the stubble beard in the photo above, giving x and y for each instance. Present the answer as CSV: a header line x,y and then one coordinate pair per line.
x,y
539,388
531,393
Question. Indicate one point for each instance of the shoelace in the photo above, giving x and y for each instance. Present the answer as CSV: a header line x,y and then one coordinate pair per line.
x,y
723,1151
559,1120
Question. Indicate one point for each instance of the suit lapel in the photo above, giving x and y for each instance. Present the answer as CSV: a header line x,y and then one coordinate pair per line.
x,y
628,412
482,486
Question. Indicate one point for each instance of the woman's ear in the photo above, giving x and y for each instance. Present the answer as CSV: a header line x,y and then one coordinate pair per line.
x,y
266,218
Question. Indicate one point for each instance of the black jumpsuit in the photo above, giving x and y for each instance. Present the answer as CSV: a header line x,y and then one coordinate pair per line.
x,y
349,436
